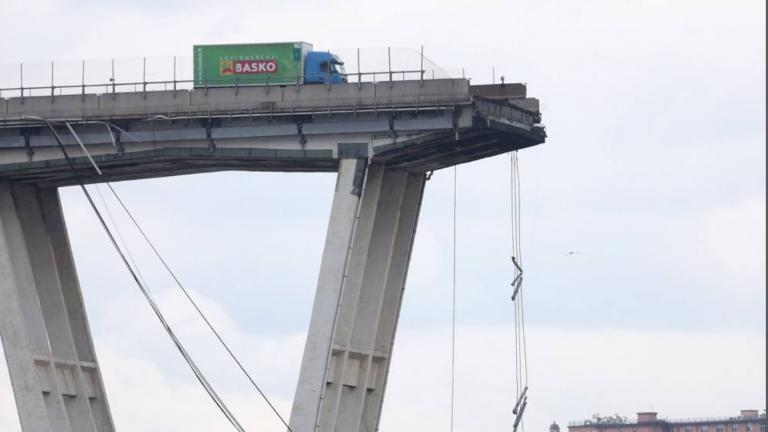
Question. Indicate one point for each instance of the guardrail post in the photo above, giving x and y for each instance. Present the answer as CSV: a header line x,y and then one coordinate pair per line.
x,y
359,73
82,88
113,79
53,87
21,81
144,76
421,68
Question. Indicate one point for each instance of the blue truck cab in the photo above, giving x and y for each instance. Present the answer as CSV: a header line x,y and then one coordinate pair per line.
x,y
322,67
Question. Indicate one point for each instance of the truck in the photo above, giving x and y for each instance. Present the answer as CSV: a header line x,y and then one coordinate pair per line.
x,y
279,63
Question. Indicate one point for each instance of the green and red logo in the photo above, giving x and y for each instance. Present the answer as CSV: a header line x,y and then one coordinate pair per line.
x,y
247,67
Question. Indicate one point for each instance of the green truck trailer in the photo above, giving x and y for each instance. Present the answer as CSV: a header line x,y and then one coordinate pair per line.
x,y
266,63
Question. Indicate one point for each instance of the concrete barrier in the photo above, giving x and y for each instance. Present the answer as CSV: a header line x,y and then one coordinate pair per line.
x,y
422,93
320,96
377,94
141,104
315,97
260,98
67,106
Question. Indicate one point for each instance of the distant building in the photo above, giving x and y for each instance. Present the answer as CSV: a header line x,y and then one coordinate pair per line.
x,y
747,421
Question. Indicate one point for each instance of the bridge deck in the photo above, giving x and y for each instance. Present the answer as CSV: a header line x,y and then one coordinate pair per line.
x,y
414,125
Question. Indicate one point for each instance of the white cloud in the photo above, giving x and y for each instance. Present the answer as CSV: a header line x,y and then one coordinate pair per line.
x,y
734,236
573,374
142,397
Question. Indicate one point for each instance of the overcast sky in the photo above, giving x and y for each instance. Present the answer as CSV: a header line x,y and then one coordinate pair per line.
x,y
654,171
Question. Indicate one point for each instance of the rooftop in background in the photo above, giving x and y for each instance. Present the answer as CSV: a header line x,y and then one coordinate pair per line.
x,y
746,421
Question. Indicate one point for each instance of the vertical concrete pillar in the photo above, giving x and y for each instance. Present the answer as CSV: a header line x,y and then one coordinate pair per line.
x,y
47,343
362,276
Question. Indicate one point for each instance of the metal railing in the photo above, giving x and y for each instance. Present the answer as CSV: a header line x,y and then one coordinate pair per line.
x,y
171,74
174,85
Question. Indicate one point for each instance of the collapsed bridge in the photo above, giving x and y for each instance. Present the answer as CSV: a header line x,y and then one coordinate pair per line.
x,y
381,138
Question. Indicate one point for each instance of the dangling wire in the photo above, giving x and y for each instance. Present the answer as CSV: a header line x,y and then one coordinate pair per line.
x,y
125,248
453,304
217,400
521,351
123,243
169,270
194,304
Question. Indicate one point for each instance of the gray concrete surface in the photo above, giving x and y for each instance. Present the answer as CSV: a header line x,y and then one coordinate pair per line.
x,y
362,277
47,343
230,99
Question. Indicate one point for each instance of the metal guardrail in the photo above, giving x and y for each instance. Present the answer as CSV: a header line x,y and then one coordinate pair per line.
x,y
139,68
144,86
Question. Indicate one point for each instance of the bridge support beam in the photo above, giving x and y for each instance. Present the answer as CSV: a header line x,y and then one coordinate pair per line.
x,y
357,304
46,339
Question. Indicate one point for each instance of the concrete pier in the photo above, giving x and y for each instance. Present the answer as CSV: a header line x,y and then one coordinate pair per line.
x,y
46,339
362,277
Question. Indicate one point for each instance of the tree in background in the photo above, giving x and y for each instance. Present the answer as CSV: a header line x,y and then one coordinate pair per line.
x,y
613,419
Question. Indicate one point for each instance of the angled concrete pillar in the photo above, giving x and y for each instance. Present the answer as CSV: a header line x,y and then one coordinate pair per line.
x,y
44,329
362,276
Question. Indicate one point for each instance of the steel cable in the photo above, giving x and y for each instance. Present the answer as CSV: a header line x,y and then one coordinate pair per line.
x,y
190,362
521,349
453,303
196,306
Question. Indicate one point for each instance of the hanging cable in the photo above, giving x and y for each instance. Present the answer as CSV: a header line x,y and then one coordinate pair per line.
x,y
521,351
520,254
188,359
120,236
172,274
196,306
453,304
170,271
